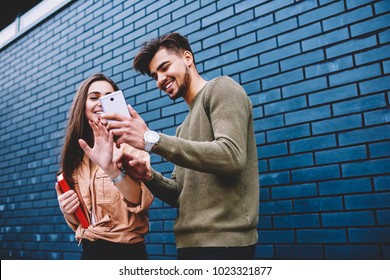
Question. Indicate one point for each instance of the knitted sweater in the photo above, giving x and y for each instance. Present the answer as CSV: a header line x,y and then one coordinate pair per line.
x,y
215,181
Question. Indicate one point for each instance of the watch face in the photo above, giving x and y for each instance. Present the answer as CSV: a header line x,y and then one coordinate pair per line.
x,y
152,136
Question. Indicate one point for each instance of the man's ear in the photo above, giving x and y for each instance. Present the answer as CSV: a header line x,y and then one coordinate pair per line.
x,y
188,57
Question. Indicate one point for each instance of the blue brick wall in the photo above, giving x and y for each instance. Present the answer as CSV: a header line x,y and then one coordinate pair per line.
x,y
316,71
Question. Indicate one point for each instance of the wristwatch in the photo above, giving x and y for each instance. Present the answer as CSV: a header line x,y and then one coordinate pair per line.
x,y
151,138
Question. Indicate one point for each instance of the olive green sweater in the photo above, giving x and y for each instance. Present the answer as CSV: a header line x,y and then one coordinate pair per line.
x,y
215,182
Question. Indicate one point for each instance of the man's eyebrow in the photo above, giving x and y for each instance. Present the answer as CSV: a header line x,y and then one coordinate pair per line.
x,y
161,65
159,68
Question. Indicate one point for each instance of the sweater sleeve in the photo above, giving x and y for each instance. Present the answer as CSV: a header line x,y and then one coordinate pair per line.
x,y
229,111
163,188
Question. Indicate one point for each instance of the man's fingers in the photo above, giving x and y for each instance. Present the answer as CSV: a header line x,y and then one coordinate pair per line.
x,y
113,116
133,112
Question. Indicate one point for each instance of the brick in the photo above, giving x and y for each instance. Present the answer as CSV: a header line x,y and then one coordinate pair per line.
x,y
377,117
302,60
259,72
259,47
350,46
381,7
329,66
279,53
283,79
257,112
277,207
337,124
370,167
369,235
285,105
255,24
264,252
356,3
354,75
319,204
384,37
291,162
298,252
376,54
359,105
322,236
245,5
162,237
380,149
308,115
375,85
352,252
386,67
382,183
276,236
271,6
297,221
321,13
385,251
231,19
288,133
371,25
277,28
304,87
269,123
345,186
325,39
299,34
275,178
315,173
265,222
264,194
217,39
266,97
236,67
312,143
266,151
364,135
348,219
347,18
294,191
239,42
296,9
367,201
341,155
383,217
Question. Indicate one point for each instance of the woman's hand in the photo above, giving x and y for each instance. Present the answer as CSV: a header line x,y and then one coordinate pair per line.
x,y
102,151
68,201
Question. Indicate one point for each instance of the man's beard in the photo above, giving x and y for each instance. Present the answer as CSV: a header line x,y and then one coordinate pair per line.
x,y
183,88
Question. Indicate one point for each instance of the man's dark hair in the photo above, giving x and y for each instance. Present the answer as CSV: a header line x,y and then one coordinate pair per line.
x,y
172,42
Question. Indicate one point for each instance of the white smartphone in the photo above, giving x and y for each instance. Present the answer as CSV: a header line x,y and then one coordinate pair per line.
x,y
115,103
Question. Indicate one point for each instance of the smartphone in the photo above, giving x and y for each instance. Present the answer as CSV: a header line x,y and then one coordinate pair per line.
x,y
115,103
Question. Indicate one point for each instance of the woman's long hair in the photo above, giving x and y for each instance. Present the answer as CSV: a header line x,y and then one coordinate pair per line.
x,y
78,128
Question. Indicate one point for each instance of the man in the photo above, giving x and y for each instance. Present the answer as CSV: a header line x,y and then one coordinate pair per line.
x,y
215,181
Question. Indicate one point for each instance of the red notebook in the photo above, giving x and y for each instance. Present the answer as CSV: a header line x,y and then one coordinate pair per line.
x,y
79,212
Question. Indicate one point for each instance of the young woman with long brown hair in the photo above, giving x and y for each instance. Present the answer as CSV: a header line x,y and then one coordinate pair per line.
x,y
116,204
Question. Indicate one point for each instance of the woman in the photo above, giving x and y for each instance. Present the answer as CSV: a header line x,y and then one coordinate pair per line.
x,y
116,204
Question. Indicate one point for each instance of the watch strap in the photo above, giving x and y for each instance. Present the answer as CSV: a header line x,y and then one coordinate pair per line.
x,y
119,177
